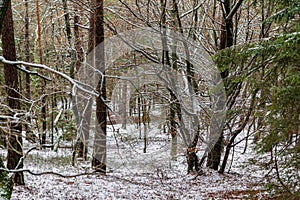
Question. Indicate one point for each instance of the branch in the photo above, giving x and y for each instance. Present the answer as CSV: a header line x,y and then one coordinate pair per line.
x,y
44,67
234,9
192,10
111,27
47,173
23,69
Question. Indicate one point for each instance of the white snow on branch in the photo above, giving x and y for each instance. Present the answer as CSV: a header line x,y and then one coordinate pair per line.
x,y
75,83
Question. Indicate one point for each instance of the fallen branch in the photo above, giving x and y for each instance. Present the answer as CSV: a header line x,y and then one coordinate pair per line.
x,y
48,173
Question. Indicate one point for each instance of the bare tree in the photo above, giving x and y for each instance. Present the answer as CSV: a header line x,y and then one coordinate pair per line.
x,y
43,110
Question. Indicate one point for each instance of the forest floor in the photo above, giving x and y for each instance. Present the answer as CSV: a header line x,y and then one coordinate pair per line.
x,y
138,175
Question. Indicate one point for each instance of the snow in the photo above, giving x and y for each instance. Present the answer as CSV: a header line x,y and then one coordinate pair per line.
x,y
135,175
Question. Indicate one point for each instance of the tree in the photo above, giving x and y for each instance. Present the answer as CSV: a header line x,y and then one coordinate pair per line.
x,y
15,151
44,106
81,114
275,61
5,182
282,122
97,38
226,40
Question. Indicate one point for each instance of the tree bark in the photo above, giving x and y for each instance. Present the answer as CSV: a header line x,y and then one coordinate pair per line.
x,y
226,40
123,110
81,106
29,135
43,110
3,8
15,151
6,186
99,154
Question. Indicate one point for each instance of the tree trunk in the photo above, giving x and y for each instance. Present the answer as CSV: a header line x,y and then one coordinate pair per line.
x,y
29,135
3,8
144,120
123,110
173,129
226,40
214,156
6,186
77,37
99,154
43,110
82,108
15,151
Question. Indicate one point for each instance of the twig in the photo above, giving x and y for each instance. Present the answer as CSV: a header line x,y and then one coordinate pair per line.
x,y
48,173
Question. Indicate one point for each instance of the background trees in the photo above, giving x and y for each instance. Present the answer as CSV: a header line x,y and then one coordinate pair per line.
x,y
255,45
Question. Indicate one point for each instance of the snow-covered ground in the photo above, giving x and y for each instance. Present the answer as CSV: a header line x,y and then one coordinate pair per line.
x,y
133,174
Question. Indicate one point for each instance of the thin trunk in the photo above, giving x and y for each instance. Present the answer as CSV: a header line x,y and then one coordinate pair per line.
x,y
15,151
27,48
29,135
173,129
67,21
236,132
139,116
77,37
123,110
43,110
144,120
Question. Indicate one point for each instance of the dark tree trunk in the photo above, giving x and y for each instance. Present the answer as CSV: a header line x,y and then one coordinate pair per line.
x,y
3,9
214,156
226,40
15,151
236,132
99,154
192,158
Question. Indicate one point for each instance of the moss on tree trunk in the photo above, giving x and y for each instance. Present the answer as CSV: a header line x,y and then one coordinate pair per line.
x,y
5,183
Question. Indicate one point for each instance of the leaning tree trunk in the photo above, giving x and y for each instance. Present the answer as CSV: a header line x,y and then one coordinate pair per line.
x,y
15,151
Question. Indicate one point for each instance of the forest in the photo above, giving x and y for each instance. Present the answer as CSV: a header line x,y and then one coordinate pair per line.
x,y
140,99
